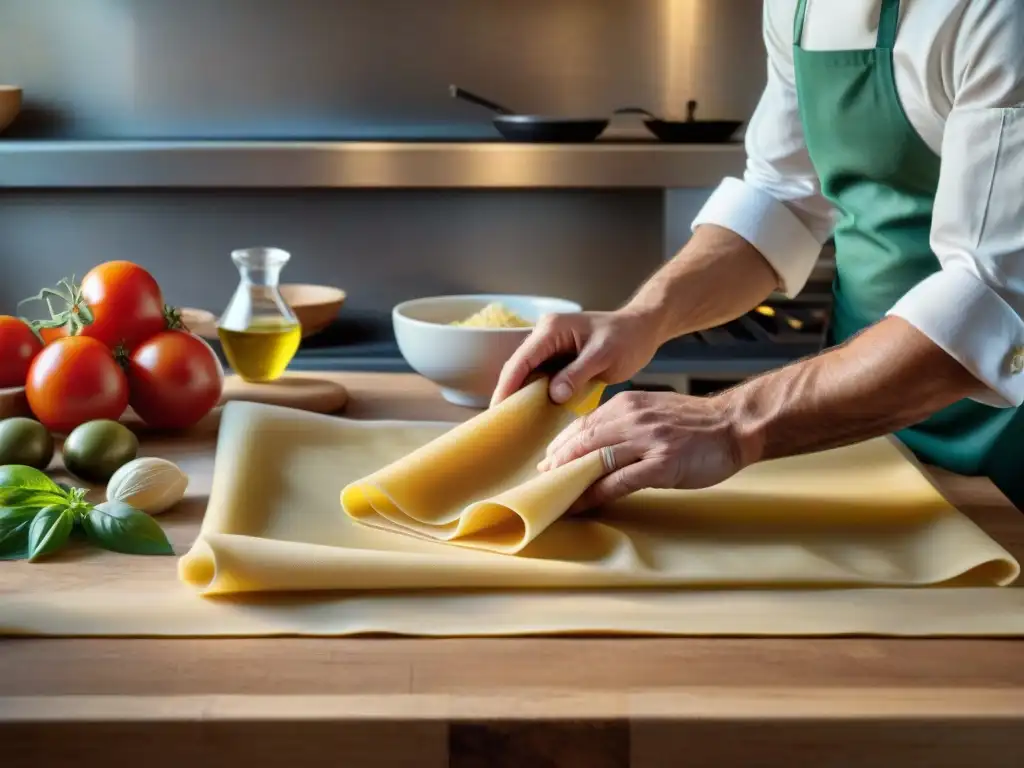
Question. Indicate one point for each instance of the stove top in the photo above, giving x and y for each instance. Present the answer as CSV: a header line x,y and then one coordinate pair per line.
x,y
777,333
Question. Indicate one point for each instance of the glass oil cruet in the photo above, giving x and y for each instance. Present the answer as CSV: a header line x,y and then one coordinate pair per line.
x,y
258,330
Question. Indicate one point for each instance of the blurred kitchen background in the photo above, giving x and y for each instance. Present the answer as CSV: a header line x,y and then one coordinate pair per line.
x,y
170,133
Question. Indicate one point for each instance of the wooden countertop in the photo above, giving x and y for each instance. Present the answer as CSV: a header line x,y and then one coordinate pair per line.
x,y
496,702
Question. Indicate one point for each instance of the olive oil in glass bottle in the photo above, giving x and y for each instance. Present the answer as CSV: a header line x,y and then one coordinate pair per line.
x,y
258,330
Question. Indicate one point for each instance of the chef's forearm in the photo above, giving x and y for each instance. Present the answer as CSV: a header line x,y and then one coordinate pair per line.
x,y
717,277
889,377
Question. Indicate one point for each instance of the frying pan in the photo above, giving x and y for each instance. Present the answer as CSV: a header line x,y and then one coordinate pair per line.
x,y
689,131
537,128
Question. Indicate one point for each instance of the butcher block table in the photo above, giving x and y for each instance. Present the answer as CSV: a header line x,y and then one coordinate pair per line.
x,y
592,702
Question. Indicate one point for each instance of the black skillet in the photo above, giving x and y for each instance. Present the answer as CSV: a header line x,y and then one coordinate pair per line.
x,y
536,128
689,131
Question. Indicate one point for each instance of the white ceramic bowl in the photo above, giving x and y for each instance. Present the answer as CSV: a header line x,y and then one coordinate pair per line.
x,y
465,362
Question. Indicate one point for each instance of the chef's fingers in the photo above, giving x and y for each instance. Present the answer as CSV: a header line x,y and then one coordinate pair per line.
x,y
621,455
585,435
546,341
630,479
581,431
587,366
574,434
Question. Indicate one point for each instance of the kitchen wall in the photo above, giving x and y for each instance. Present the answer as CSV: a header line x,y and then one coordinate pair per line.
x,y
357,69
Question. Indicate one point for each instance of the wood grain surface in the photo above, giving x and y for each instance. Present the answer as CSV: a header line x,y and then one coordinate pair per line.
x,y
293,390
503,702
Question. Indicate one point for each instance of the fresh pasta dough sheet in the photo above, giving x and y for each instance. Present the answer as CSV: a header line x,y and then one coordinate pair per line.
x,y
306,502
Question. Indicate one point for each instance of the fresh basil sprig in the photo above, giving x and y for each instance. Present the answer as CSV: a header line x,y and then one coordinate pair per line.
x,y
37,517
49,530
119,527
14,527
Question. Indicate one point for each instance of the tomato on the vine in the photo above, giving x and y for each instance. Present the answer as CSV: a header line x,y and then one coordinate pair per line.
x,y
174,379
74,380
126,304
52,334
19,346
118,302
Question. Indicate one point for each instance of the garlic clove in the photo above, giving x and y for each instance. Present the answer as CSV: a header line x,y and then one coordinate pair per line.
x,y
149,484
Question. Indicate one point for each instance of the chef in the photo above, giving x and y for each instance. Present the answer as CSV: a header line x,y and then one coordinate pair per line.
x,y
898,129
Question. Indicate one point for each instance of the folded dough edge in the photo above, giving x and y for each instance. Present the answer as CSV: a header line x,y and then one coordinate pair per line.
x,y
504,521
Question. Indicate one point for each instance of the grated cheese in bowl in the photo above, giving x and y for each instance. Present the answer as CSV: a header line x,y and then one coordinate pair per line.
x,y
494,315
464,358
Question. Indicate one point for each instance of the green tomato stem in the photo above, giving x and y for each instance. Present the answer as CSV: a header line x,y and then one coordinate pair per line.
x,y
75,313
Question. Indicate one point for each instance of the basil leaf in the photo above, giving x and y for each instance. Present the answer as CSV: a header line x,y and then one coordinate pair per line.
x,y
29,497
119,527
28,479
49,531
14,526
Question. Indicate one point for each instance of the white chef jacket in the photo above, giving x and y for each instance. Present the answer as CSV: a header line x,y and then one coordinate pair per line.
x,y
959,72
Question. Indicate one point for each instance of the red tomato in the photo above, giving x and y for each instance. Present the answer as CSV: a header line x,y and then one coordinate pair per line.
x,y
74,380
52,334
175,379
18,348
126,304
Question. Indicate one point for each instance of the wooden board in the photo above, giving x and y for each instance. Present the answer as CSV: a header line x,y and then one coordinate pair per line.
x,y
293,390
466,702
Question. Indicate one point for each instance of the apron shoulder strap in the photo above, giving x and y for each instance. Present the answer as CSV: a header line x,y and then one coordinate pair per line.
x,y
888,21
798,22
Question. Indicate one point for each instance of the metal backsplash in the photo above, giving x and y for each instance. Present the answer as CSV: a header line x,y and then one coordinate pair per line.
x,y
380,246
366,68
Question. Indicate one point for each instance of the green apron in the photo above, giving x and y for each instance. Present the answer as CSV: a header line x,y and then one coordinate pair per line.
x,y
882,178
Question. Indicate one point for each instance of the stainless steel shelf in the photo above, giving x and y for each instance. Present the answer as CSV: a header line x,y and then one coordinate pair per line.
x,y
42,164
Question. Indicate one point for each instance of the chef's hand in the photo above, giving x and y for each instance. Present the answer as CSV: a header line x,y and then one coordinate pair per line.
x,y
651,440
610,346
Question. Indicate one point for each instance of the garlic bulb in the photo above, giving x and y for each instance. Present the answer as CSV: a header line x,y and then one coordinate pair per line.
x,y
148,484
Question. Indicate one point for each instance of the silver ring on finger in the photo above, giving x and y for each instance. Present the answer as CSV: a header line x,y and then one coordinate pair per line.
x,y
608,459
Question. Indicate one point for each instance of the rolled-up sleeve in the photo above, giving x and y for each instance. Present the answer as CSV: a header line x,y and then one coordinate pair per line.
x,y
974,307
777,206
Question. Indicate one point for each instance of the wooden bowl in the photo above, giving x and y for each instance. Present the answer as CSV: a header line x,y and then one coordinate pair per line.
x,y
316,306
199,321
10,104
